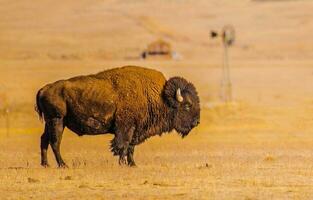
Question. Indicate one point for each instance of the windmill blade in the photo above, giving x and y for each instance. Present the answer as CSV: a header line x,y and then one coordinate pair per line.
x,y
229,35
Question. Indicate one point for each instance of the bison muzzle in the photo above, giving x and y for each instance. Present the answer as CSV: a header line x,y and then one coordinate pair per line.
x,y
133,103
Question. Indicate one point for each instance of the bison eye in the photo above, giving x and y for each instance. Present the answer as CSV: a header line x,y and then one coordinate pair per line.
x,y
187,107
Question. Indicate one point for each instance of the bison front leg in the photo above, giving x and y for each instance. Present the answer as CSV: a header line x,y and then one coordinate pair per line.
x,y
130,156
120,144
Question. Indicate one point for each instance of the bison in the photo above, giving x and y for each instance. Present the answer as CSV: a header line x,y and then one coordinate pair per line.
x,y
133,103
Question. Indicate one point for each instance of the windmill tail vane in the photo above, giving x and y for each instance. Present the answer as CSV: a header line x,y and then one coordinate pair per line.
x,y
214,34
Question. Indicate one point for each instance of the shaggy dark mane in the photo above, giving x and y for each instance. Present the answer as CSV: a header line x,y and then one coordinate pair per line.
x,y
170,88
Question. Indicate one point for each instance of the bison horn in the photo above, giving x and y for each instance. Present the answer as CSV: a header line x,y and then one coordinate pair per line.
x,y
179,97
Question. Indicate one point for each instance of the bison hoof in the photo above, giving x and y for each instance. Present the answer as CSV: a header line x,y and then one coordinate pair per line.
x,y
45,165
132,164
63,166
122,161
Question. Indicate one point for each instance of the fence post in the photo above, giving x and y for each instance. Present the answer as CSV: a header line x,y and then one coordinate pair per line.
x,y
7,120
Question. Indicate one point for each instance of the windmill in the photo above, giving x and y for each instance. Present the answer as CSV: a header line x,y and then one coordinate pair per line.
x,y
228,38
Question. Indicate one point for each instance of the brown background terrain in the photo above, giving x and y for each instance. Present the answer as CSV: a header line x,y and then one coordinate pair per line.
x,y
259,147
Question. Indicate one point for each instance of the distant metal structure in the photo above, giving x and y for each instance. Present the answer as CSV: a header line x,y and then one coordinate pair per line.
x,y
228,38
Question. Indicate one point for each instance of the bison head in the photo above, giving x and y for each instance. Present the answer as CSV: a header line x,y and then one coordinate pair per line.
x,y
182,96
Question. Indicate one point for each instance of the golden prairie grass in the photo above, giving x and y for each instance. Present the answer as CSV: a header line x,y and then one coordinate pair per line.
x,y
217,161
256,148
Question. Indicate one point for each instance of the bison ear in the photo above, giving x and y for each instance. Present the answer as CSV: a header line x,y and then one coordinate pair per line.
x,y
173,90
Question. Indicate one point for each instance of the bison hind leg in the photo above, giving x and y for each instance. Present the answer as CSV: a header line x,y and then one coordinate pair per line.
x,y
44,147
55,129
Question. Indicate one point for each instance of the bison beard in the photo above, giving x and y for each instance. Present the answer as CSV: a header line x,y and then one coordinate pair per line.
x,y
133,103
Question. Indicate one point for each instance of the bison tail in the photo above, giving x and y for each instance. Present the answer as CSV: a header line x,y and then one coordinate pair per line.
x,y
37,106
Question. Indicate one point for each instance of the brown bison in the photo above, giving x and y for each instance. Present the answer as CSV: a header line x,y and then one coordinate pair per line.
x,y
133,103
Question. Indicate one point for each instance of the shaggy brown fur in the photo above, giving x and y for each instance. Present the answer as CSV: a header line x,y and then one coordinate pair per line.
x,y
133,103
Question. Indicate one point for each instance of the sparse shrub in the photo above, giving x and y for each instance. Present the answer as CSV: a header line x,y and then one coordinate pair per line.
x,y
269,158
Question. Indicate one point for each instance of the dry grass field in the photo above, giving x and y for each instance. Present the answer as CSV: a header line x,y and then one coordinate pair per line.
x,y
258,147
